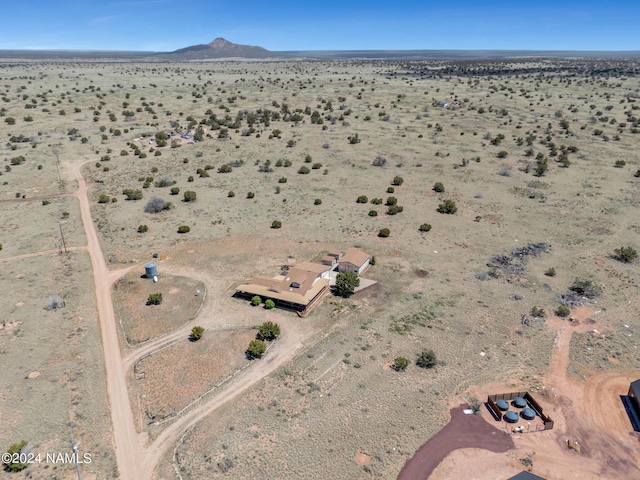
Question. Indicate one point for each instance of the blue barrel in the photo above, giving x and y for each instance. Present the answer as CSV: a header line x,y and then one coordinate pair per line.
x,y
151,270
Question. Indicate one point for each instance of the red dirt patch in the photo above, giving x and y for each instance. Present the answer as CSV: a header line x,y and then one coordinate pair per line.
x,y
463,431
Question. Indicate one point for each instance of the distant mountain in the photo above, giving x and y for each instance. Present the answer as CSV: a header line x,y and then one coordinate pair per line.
x,y
219,48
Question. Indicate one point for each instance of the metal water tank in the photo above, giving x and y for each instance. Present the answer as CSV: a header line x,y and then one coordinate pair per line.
x,y
151,270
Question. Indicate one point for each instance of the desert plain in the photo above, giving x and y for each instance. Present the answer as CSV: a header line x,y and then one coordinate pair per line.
x,y
538,156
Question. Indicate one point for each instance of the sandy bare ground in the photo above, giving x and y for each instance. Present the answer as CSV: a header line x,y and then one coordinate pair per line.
x,y
44,252
136,459
590,412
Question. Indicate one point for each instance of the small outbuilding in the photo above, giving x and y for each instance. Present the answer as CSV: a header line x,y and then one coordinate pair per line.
x,y
355,260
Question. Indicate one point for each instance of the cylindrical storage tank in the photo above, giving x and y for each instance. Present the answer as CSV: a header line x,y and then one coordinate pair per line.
x,y
151,270
519,402
503,405
511,417
528,413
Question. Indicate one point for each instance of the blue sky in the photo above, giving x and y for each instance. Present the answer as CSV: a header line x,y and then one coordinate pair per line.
x,y
165,25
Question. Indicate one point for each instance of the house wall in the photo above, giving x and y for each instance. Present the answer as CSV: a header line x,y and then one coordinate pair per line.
x,y
363,267
347,267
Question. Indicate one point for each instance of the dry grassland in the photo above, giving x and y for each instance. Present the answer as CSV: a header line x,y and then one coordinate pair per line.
x,y
170,379
141,322
53,374
339,399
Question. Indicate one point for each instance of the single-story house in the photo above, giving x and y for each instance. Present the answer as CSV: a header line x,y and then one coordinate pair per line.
x,y
634,395
354,260
297,288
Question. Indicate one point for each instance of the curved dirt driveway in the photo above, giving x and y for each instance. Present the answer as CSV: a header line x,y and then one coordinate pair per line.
x,y
136,459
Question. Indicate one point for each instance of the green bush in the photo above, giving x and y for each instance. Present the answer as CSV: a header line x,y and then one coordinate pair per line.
x,y
251,195
268,330
400,364
550,272
373,213
231,194
104,198
438,187
397,181
448,207
132,194
256,348
384,232
154,299
225,169
316,166
256,300
362,199
625,254
184,229
303,170
346,283
269,304
196,333
376,201
175,190
317,201
11,466
425,227
394,209
282,180
390,189
563,311
190,196
143,229
427,359
276,224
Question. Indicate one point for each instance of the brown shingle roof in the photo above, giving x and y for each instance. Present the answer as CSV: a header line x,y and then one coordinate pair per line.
x,y
355,256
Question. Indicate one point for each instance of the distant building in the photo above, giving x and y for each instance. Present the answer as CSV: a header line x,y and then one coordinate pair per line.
x,y
526,476
355,260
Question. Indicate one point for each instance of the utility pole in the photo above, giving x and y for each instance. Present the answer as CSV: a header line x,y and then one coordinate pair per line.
x,y
74,446
64,244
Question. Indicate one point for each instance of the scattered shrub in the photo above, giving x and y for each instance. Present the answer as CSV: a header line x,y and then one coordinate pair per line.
x,y
373,213
563,311
156,204
586,288
303,170
362,199
104,198
438,187
550,272
175,190
448,207
132,194
384,232
256,348
400,364
196,333
190,196
184,229
391,201
251,195
225,169
625,254
425,227
269,304
394,209
256,300
390,189
276,224
268,330
143,229
154,299
427,359
231,194
397,181
317,201
619,163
